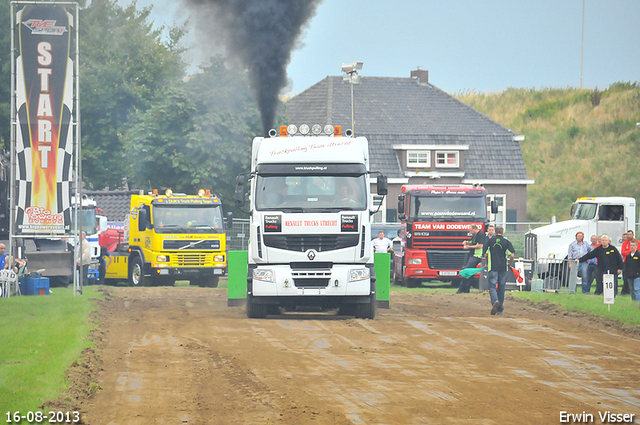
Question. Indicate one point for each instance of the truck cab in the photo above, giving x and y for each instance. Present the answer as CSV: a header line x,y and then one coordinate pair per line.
x,y
592,216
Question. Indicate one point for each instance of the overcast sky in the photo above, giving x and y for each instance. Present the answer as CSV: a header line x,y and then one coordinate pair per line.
x,y
486,45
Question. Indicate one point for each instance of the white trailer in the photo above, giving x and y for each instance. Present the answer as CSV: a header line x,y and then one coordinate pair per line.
x,y
592,216
310,233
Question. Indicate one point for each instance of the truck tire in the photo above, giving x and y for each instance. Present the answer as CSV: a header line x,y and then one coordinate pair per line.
x,y
136,273
255,311
367,310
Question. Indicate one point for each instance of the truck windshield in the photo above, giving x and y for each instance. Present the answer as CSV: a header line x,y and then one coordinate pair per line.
x,y
88,220
302,193
445,208
187,219
585,211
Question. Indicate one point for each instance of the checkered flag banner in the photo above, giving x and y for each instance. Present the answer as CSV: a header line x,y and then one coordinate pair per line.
x,y
44,108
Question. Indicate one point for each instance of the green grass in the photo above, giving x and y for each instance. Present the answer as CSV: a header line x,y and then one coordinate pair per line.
x,y
624,310
40,337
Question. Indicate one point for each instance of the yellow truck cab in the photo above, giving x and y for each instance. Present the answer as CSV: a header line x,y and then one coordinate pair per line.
x,y
172,237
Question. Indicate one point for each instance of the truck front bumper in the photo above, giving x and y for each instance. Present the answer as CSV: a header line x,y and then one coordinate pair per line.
x,y
186,272
282,280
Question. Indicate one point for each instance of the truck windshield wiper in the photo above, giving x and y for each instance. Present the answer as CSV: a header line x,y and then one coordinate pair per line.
x,y
292,210
203,226
172,227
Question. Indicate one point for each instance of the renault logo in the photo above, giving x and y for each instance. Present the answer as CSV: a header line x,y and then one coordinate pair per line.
x,y
311,255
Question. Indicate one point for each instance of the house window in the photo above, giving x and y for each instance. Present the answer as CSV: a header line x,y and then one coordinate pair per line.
x,y
418,159
449,159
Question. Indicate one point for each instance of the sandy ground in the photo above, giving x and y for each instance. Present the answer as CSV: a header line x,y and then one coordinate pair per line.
x,y
179,355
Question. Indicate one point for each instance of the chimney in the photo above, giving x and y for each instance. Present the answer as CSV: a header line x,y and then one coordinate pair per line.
x,y
421,75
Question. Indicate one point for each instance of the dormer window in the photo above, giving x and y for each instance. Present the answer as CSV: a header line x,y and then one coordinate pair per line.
x,y
418,159
447,159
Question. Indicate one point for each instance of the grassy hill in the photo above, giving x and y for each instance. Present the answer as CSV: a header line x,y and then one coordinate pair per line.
x,y
578,142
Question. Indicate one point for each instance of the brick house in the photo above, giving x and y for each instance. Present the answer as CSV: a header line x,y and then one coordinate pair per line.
x,y
418,134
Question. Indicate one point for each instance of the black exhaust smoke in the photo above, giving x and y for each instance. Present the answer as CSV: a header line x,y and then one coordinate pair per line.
x,y
261,34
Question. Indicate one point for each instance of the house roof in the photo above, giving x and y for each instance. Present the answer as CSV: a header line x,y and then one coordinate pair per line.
x,y
114,203
391,111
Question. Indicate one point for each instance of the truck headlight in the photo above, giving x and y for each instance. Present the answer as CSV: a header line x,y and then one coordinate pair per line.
x,y
415,261
162,258
218,258
264,275
358,274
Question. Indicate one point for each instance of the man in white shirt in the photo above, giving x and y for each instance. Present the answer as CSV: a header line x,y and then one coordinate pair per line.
x,y
381,243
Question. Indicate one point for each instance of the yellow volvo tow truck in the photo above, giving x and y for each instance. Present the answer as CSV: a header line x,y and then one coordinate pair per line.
x,y
172,237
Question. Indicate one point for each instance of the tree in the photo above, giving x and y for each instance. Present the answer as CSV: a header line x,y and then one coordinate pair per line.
x,y
199,135
124,63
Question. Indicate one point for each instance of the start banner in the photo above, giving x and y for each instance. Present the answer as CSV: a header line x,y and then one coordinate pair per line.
x,y
44,97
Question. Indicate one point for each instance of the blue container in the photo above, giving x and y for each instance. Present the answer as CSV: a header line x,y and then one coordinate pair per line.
x,y
37,285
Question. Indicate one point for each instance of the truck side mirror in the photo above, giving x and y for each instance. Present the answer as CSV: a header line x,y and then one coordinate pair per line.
x,y
400,204
240,191
381,186
142,220
229,220
494,207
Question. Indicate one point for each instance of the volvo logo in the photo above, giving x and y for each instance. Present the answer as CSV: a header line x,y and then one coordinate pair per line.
x,y
311,254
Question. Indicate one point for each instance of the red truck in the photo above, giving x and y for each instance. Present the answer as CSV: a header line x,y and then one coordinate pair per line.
x,y
437,219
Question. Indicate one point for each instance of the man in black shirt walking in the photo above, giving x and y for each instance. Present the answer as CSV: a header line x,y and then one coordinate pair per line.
x,y
609,262
497,249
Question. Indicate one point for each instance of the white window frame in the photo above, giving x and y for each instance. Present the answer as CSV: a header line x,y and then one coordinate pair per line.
x,y
380,216
445,165
499,219
418,153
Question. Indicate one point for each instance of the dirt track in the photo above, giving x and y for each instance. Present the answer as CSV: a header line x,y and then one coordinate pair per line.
x,y
180,355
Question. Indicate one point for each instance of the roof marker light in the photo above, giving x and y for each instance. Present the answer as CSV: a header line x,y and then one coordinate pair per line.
x,y
316,129
292,129
328,129
304,129
337,131
283,131
169,192
201,192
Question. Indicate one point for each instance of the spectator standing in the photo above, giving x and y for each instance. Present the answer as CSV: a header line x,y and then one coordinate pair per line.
x,y
491,232
382,243
475,245
85,259
592,266
577,249
497,250
104,261
632,270
609,262
4,264
625,249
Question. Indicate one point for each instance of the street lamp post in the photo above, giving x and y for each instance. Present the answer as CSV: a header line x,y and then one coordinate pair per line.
x,y
351,77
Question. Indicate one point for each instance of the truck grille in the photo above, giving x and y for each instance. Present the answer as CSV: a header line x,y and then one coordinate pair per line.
x,y
531,246
437,240
310,278
447,260
185,244
190,260
302,243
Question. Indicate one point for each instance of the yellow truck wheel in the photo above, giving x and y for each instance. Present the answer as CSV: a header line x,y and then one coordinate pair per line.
x,y
136,273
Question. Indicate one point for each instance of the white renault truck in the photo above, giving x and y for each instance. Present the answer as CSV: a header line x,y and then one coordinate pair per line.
x,y
310,234
592,216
